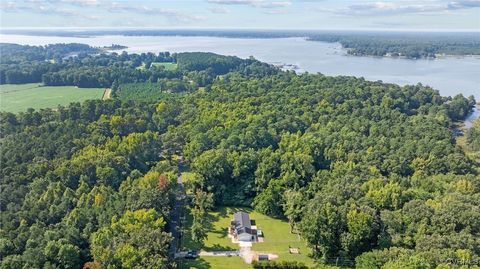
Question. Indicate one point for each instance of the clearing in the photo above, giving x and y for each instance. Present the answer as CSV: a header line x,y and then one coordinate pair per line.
x,y
277,240
20,97
167,65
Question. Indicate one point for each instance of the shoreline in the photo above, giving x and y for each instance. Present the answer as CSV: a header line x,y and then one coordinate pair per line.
x,y
459,128
473,115
305,37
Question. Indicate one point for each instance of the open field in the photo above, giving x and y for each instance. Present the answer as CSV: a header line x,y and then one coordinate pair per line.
x,y
277,239
168,66
20,97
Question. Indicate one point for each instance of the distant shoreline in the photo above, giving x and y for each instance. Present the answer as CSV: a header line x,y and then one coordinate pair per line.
x,y
427,45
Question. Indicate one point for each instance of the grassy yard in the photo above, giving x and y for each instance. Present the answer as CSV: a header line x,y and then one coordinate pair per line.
x,y
277,239
214,263
217,236
20,97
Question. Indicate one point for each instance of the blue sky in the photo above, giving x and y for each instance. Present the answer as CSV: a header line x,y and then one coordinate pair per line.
x,y
266,14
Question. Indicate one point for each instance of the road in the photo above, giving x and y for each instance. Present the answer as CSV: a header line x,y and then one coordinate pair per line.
x,y
107,94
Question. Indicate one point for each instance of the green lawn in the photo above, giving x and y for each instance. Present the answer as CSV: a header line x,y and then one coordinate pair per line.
x,y
217,236
277,239
20,97
233,262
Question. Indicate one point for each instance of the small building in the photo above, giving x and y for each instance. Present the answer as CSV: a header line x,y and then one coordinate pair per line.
x,y
241,227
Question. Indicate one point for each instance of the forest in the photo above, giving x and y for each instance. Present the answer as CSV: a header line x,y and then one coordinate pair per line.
x,y
365,171
408,45
88,67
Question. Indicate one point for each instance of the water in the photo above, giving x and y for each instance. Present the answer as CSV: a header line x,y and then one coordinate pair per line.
x,y
451,75
468,123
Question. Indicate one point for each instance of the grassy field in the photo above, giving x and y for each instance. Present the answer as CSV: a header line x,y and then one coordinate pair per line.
x,y
168,66
277,239
20,97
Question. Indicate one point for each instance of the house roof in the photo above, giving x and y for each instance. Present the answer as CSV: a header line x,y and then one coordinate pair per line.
x,y
242,221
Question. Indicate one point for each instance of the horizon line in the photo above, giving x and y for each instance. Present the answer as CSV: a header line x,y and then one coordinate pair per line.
x,y
245,29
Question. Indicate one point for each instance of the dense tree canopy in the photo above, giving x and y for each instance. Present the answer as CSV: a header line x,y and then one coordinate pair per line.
x,y
368,173
409,45
473,136
78,65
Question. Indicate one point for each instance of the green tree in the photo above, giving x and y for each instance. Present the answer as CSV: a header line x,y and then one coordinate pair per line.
x,y
125,243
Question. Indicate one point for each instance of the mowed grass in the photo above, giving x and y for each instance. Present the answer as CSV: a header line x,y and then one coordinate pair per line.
x,y
233,262
20,97
277,240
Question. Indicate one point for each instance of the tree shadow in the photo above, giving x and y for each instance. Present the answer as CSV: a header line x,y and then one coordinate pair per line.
x,y
197,263
186,241
218,247
210,220
223,233
229,211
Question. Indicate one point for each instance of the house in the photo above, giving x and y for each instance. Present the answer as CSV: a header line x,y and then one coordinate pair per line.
x,y
241,227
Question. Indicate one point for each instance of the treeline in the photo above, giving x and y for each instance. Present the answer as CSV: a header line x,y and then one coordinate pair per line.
x,y
473,136
14,53
192,61
91,71
27,64
278,265
409,45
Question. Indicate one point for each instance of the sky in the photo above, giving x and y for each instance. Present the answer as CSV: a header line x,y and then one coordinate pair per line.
x,y
436,15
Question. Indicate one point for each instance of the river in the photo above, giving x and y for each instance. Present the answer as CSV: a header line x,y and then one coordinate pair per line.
x,y
450,75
